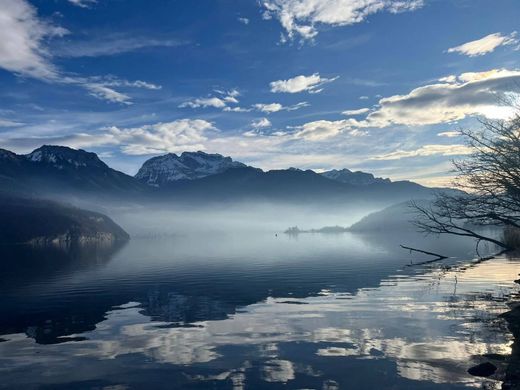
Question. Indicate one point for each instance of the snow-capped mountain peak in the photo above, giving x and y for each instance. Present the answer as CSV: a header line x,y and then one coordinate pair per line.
x,y
168,168
61,156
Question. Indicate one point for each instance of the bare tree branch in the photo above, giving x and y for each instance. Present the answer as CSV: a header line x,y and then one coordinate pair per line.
x,y
489,180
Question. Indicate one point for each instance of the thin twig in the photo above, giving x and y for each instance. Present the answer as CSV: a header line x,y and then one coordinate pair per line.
x,y
438,256
441,257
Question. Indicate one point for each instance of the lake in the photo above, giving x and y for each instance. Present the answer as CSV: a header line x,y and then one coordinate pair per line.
x,y
236,310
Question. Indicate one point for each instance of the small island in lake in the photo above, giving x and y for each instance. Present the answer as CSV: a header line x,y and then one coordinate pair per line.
x,y
325,230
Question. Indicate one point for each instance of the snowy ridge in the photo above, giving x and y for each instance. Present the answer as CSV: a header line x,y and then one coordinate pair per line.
x,y
60,156
188,166
354,178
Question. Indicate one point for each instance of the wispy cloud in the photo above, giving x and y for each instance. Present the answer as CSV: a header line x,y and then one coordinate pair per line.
x,y
111,45
449,134
102,87
301,18
427,150
276,107
24,52
323,129
83,3
300,83
223,100
359,111
9,123
103,92
485,45
22,38
261,123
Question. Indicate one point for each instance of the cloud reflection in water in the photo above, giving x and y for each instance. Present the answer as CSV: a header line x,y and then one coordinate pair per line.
x,y
431,326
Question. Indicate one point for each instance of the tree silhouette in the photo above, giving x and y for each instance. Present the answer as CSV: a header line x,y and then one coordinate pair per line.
x,y
489,187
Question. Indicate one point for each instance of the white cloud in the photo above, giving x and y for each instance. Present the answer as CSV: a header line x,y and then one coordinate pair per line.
x,y
261,123
83,3
268,108
323,129
205,102
300,83
364,98
275,107
111,81
251,133
103,92
139,84
222,101
449,134
475,93
427,150
447,79
103,87
244,21
320,130
302,17
22,37
23,51
485,45
236,109
163,137
177,136
360,111
9,123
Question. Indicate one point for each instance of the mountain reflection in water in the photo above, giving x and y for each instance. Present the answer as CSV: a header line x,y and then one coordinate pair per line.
x,y
255,312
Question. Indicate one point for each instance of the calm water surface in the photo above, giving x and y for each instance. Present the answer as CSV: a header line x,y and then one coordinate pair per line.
x,y
240,310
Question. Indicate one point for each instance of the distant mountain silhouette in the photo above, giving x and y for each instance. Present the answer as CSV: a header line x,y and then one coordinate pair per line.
x,y
60,172
163,170
357,178
290,185
58,169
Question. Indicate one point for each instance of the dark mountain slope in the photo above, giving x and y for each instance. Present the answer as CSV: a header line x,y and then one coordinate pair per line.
x,y
27,220
58,170
397,217
289,185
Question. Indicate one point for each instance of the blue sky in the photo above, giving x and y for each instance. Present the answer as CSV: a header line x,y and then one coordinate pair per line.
x,y
376,85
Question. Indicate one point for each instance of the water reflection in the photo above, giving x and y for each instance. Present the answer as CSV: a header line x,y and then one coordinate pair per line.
x,y
339,323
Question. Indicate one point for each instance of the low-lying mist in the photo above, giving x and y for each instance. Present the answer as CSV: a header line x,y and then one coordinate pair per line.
x,y
159,220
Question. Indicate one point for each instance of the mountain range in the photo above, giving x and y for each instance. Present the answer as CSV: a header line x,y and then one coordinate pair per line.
x,y
189,177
